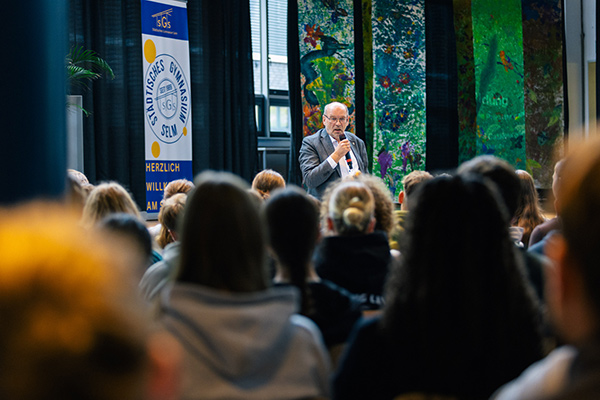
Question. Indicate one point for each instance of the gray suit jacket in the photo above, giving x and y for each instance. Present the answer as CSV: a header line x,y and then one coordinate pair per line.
x,y
316,171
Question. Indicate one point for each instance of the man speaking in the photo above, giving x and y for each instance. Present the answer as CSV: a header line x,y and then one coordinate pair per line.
x,y
331,153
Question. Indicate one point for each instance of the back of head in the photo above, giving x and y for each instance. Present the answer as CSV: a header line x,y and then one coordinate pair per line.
x,y
177,186
105,199
222,238
72,326
579,197
412,180
501,173
384,207
351,208
460,285
266,181
292,220
131,229
168,216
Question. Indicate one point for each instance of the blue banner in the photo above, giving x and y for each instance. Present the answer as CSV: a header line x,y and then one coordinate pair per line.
x,y
165,20
158,176
167,97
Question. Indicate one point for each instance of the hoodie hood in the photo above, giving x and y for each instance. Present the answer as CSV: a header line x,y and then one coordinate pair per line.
x,y
243,337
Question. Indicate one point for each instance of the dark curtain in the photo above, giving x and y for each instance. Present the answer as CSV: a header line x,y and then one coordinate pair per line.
x,y
441,84
293,46
223,125
114,130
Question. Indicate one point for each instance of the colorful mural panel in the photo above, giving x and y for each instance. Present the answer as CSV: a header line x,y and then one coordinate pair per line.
x,y
398,89
544,103
326,30
467,117
498,53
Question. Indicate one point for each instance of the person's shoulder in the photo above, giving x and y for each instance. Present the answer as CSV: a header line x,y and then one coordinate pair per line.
x,y
314,137
542,379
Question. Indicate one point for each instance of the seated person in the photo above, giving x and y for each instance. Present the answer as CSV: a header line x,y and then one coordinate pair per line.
x,y
243,338
73,326
459,319
356,257
292,219
571,371
266,181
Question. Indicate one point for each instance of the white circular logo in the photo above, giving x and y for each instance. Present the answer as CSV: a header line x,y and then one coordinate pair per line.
x,y
166,95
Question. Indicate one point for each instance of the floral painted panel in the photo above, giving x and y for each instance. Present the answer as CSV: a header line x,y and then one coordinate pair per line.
x,y
398,89
498,53
544,103
326,30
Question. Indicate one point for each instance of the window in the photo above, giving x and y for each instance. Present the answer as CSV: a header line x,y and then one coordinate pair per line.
x,y
268,19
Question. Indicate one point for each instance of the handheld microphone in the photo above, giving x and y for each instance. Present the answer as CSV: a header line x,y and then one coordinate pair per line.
x,y
348,158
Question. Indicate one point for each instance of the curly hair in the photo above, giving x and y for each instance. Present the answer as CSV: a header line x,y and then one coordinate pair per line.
x,y
460,286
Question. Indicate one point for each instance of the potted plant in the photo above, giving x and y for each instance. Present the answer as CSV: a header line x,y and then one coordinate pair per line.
x,y
83,67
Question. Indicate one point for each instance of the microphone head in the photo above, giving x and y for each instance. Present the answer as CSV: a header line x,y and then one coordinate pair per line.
x,y
342,137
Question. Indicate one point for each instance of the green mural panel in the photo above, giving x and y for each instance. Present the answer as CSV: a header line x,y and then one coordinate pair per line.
x,y
398,89
498,54
326,30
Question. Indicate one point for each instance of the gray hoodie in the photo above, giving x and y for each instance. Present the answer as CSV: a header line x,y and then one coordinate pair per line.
x,y
246,345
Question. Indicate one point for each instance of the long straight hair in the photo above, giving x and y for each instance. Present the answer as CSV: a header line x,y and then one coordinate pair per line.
x,y
292,219
222,238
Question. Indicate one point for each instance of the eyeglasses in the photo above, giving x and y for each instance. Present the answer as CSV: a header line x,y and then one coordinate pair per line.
x,y
336,120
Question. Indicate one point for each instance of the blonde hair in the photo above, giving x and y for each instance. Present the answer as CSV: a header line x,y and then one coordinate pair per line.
x,y
266,181
168,217
66,301
177,186
108,198
351,208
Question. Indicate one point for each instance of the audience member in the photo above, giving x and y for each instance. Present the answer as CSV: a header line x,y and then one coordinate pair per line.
x,y
356,257
161,273
503,175
460,319
75,195
571,371
174,187
169,212
133,236
243,339
105,199
266,181
529,213
72,325
410,184
540,232
292,219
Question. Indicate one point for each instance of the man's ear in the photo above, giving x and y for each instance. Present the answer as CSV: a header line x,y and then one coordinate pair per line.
x,y
401,197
